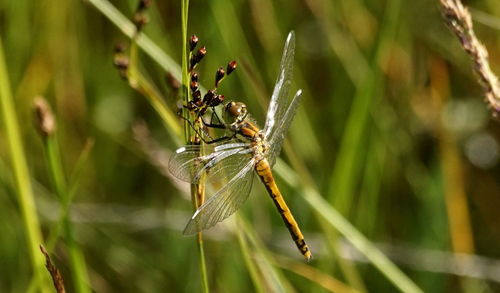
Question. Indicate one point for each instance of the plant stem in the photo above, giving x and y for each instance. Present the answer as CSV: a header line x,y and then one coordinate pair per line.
x,y
77,263
274,278
375,256
55,232
252,269
22,178
197,190
138,82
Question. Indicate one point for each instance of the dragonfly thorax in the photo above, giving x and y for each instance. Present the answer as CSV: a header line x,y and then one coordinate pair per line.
x,y
260,146
238,121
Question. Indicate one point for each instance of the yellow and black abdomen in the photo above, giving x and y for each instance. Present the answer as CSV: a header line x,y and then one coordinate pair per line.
x,y
263,169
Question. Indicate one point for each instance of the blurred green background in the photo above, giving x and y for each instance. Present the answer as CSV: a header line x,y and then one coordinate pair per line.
x,y
392,132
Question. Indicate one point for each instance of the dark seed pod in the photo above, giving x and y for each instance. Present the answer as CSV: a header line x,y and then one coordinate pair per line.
x,y
231,66
196,58
219,75
193,41
143,4
192,63
120,47
121,62
209,96
201,53
190,106
197,96
140,20
194,76
194,86
198,103
217,100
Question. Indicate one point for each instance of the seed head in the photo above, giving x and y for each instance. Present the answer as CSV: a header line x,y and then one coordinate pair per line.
x,y
219,75
231,66
193,41
45,123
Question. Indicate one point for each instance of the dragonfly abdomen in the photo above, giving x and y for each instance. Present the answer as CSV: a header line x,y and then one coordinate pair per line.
x,y
263,169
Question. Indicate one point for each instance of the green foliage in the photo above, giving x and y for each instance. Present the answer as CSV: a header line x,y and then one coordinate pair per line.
x,y
386,162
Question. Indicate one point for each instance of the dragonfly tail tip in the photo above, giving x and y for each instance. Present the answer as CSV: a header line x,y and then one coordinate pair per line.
x,y
308,257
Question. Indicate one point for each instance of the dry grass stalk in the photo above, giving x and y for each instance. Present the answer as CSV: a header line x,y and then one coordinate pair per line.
x,y
459,20
54,272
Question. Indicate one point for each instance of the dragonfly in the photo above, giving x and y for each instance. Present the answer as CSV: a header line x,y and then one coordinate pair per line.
x,y
244,151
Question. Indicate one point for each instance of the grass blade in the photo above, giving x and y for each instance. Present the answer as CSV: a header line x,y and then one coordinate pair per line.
x,y
252,269
197,190
22,177
273,277
324,209
374,255
336,220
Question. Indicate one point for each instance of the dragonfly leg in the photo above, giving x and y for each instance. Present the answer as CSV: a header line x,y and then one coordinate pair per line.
x,y
214,113
212,125
218,125
222,138
201,134
179,112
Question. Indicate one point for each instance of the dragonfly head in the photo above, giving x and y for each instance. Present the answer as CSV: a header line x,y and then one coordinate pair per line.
x,y
235,112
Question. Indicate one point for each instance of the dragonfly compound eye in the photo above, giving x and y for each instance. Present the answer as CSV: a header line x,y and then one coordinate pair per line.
x,y
243,111
233,112
236,109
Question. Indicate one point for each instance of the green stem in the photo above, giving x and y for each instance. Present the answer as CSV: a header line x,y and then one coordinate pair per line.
x,y
184,66
274,278
22,178
203,265
77,262
197,191
373,254
55,231
252,269
138,82
56,169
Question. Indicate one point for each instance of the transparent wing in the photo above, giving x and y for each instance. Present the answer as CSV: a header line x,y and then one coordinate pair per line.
x,y
228,166
278,135
190,162
224,202
279,98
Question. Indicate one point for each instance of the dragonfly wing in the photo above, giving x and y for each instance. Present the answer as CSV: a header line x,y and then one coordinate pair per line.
x,y
226,165
190,162
278,135
224,202
280,93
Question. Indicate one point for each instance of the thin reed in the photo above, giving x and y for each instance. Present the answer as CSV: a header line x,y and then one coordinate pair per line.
x,y
22,178
47,128
390,166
